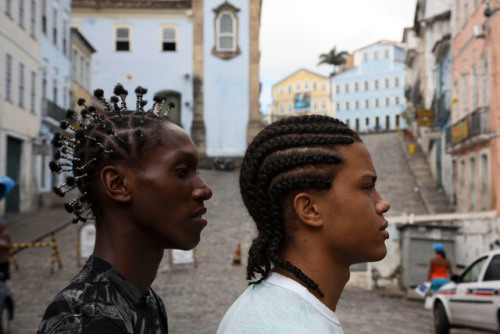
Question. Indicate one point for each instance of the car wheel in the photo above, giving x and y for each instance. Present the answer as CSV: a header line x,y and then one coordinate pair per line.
x,y
4,320
441,323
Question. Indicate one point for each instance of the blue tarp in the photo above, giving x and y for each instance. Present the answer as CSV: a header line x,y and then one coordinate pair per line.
x,y
6,185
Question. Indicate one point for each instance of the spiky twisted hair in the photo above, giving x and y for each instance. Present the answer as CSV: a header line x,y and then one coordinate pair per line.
x,y
288,156
93,139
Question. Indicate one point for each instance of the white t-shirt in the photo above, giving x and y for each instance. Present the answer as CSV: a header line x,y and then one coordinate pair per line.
x,y
279,305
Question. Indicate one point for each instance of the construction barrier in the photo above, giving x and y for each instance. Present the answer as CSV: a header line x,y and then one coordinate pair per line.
x,y
54,256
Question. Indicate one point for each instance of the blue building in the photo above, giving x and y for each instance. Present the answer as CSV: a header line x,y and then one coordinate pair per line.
x,y
202,54
370,95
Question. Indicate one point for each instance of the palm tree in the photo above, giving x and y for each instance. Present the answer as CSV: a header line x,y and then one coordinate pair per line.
x,y
333,58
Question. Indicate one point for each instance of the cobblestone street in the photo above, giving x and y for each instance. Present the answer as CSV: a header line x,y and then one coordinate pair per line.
x,y
196,298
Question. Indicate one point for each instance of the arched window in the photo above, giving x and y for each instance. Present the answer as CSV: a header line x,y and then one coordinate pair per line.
x,y
169,39
226,31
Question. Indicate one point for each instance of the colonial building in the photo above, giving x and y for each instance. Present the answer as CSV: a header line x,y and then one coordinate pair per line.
x,y
19,101
55,49
473,138
203,55
81,68
302,92
370,95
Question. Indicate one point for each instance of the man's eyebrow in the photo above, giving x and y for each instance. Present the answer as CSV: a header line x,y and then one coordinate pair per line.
x,y
370,176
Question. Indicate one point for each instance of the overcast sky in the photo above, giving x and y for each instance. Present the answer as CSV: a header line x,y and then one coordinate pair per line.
x,y
294,33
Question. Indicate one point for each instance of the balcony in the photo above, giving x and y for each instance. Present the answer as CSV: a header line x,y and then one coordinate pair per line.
x,y
471,129
52,110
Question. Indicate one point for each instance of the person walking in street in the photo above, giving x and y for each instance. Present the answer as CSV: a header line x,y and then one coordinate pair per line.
x,y
137,173
439,268
309,184
5,246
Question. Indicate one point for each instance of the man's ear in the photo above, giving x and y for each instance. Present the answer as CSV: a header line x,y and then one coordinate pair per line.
x,y
307,209
115,182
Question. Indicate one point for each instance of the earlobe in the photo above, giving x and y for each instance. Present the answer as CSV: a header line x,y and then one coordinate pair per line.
x,y
307,209
114,181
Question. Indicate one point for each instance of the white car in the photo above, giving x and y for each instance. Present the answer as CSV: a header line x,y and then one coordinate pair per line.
x,y
471,299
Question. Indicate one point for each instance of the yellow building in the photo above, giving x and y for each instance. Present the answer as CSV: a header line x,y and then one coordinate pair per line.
x,y
81,68
301,93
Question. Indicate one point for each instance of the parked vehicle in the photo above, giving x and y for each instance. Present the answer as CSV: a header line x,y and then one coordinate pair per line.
x,y
6,308
471,299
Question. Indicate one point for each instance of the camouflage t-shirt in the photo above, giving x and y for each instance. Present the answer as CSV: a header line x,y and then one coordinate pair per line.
x,y
100,300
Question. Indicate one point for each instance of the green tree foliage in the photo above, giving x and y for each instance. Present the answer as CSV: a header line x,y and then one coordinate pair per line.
x,y
333,58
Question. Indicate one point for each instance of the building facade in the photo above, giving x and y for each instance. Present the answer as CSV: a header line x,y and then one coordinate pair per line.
x,y
203,55
472,137
55,78
81,69
301,93
20,101
370,96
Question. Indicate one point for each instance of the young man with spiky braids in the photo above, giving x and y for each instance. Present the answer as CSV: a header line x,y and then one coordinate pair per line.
x,y
137,173
309,184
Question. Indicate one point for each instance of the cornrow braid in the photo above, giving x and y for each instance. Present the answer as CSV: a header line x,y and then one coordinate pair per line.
x,y
91,140
286,157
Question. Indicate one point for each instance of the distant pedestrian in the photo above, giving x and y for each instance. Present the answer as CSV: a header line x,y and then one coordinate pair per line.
x,y
5,246
309,184
137,173
439,268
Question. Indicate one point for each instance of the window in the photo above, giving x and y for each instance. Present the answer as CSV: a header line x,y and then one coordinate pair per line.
x,y
281,110
337,89
485,83
386,54
366,85
315,85
397,121
493,271
347,106
472,184
169,39
387,83
337,106
367,104
387,101
396,82
376,84
54,27
367,121
32,91
289,110
323,106
306,85
281,91
65,38
21,13
289,89
473,88
376,103
365,56
82,69
8,77
464,104
356,87
357,124
44,16
485,182
8,7
74,64
122,39
396,100
315,107
32,18
347,88
323,86
54,91
465,11
87,75
356,105
472,273
226,32
21,85
297,86
375,55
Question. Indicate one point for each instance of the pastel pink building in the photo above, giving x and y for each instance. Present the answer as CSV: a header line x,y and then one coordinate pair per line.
x,y
473,139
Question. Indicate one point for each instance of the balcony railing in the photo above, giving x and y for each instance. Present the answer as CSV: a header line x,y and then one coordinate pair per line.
x,y
468,128
52,110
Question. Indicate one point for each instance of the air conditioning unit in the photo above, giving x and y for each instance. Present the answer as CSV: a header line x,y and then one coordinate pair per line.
x,y
478,31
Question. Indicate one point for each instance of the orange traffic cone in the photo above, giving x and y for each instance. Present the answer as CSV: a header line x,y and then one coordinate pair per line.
x,y
237,255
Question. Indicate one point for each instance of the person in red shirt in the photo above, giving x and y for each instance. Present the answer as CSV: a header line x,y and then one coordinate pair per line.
x,y
439,268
